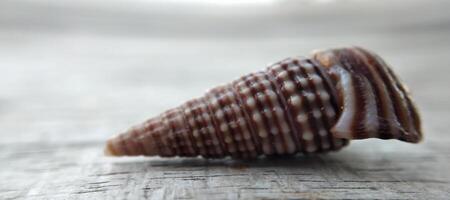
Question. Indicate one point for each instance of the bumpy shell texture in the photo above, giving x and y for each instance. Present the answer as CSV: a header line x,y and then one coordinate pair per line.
x,y
298,105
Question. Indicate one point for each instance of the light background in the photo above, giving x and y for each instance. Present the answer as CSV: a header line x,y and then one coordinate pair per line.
x,y
73,73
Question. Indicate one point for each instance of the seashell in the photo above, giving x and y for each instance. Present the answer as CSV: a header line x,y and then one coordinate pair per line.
x,y
298,105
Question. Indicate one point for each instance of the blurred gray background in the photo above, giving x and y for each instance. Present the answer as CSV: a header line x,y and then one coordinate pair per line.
x,y
73,73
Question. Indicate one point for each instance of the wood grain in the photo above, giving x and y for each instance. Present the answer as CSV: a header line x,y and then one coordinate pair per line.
x,y
74,74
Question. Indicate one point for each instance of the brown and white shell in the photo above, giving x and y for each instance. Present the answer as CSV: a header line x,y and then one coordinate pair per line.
x,y
305,105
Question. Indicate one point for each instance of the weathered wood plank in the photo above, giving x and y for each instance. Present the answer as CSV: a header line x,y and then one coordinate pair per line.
x,y
75,76
365,170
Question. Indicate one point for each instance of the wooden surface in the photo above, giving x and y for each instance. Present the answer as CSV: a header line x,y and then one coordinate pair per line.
x,y
73,73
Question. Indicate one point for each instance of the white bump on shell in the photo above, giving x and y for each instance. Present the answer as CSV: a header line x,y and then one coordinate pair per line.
x,y
330,112
211,129
278,112
317,113
266,83
228,139
191,122
282,75
254,85
310,96
303,81
195,133
245,91
233,124
322,132
219,114
302,118
289,86
316,79
215,102
262,133
235,108
237,137
308,67
241,84
274,130
295,100
251,102
324,96
207,118
267,113
223,127
275,67
261,97
256,117
241,122
271,94
285,127
187,111
201,106
307,135
215,141
247,135
227,110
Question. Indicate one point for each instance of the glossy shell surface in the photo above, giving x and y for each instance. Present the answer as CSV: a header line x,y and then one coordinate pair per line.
x,y
298,105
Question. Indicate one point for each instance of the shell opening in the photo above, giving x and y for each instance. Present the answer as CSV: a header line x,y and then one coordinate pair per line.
x,y
373,102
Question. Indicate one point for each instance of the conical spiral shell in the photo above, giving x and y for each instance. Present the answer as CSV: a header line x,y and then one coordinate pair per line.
x,y
296,105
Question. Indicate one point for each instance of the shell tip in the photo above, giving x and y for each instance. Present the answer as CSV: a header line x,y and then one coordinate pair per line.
x,y
109,149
